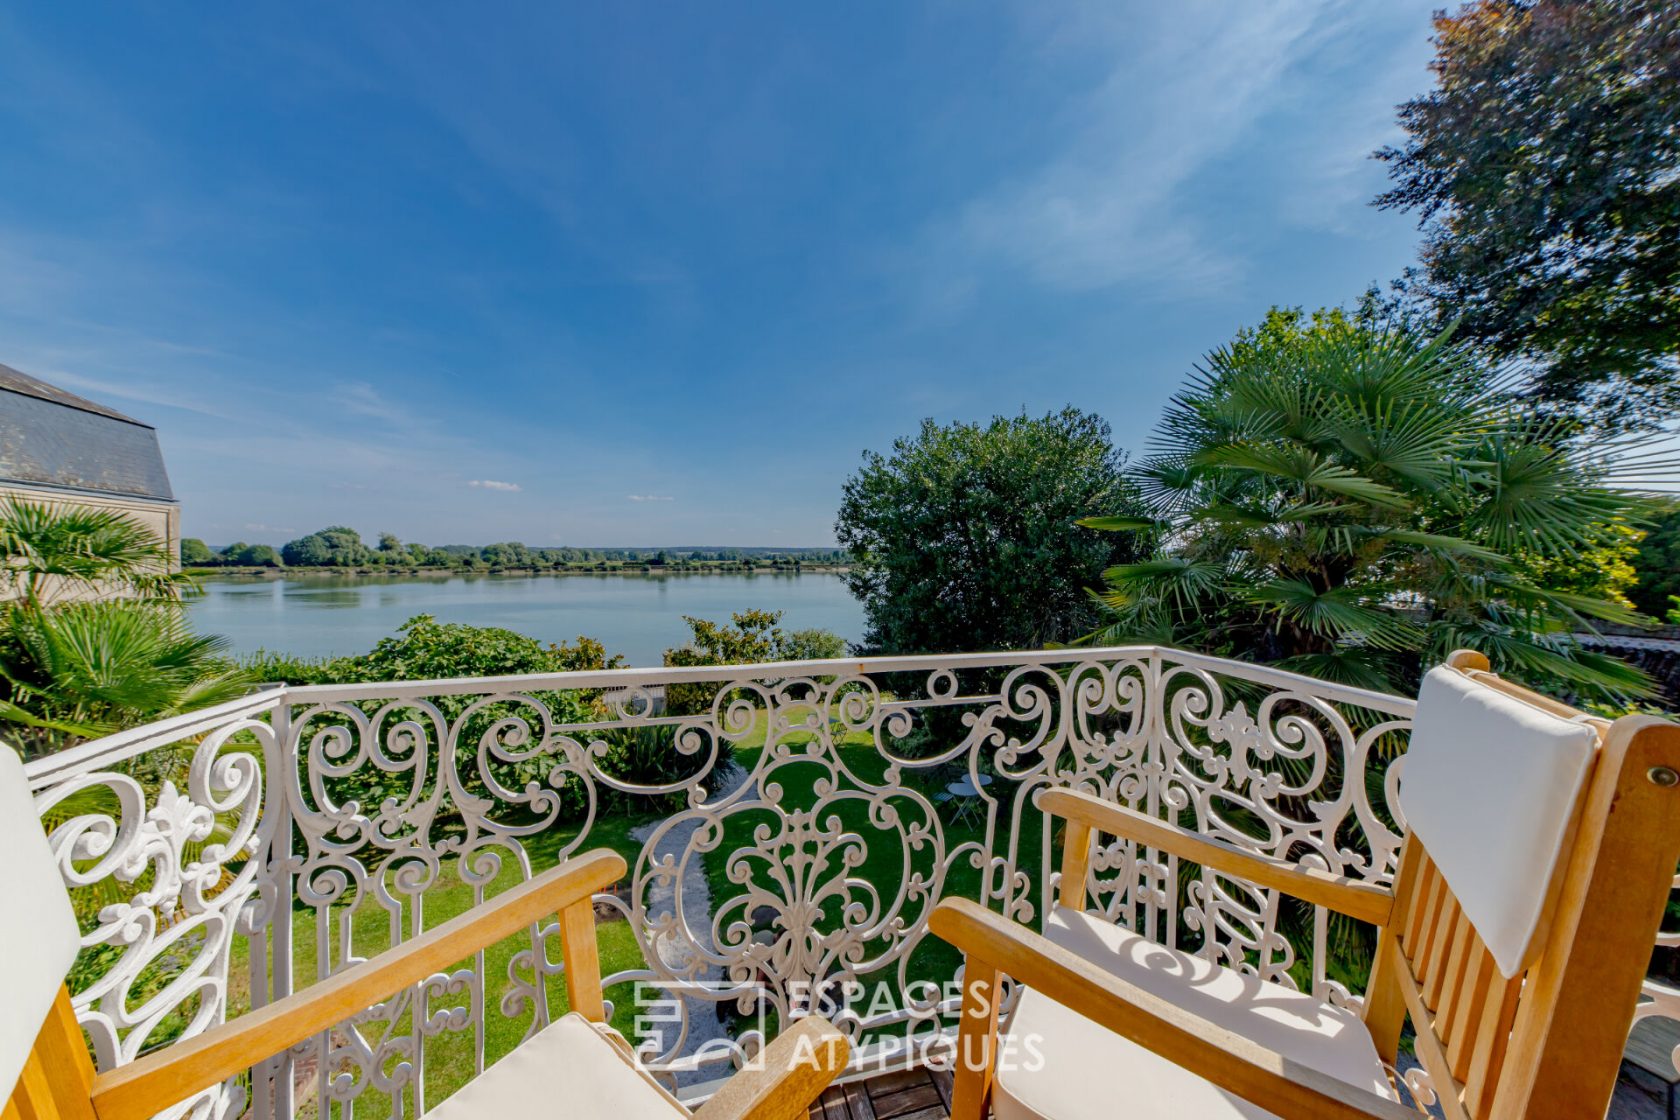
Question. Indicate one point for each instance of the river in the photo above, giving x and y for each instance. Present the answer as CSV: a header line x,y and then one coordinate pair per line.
x,y
639,616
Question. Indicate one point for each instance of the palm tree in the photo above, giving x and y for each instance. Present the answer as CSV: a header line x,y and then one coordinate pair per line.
x,y
92,638
1355,502
90,668
51,552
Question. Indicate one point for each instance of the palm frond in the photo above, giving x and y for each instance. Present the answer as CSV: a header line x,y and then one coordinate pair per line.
x,y
1304,466
1337,613
1121,524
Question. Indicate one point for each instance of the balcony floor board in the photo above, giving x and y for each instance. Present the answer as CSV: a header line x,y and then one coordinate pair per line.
x,y
918,1094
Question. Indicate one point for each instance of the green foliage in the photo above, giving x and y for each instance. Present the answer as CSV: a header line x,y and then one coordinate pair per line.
x,y
964,537
1657,561
754,637
244,555
1602,570
85,669
426,649
342,547
196,554
337,546
1355,502
285,668
75,664
1543,167
53,552
814,645
508,554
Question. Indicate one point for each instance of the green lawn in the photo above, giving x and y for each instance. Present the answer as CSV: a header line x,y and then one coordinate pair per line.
x,y
449,1055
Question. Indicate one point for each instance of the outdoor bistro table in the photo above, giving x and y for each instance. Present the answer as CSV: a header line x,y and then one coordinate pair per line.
x,y
964,798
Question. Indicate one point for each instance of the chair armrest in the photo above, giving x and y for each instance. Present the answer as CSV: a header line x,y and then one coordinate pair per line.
x,y
152,1083
1211,1052
790,1073
1365,901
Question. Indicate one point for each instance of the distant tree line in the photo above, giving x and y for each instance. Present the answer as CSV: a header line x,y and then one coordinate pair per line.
x,y
339,546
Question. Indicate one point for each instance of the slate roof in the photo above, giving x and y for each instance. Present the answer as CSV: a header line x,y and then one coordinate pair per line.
x,y
50,437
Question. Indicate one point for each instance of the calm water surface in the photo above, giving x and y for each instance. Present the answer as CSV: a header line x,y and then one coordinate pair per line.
x,y
638,616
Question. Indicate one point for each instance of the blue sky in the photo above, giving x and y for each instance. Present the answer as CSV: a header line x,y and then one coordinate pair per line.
x,y
648,273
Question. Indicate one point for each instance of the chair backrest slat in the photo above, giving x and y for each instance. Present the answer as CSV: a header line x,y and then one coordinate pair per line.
x,y
1465,1015
1431,967
1434,899
1445,986
1412,885
1427,1044
1492,1035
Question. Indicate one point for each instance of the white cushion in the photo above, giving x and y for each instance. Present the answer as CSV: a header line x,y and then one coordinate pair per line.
x,y
38,935
1055,1064
1490,785
570,1068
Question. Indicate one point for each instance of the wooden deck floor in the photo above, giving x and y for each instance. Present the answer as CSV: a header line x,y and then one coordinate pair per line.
x,y
917,1094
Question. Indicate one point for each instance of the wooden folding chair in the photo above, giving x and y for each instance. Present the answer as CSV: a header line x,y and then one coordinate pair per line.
x,y
1540,850
576,1067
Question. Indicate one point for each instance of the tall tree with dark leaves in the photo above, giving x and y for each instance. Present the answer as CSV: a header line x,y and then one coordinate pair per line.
x,y
964,536
1545,166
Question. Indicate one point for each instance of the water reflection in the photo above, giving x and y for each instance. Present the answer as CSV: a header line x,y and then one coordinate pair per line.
x,y
637,615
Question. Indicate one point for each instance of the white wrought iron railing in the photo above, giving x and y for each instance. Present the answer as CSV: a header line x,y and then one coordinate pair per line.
x,y
789,826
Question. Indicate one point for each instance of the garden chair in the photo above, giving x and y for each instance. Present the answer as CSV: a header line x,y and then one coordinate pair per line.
x,y
1540,850
576,1067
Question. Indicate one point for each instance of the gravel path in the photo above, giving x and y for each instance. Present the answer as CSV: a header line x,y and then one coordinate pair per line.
x,y
676,954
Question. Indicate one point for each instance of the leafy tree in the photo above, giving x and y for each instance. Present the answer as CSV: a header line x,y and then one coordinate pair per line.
x,y
1354,503
964,537
1657,562
1543,168
508,554
244,555
337,546
388,542
196,554
1603,570
52,552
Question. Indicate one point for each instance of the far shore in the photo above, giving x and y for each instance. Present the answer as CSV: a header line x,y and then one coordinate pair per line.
x,y
732,569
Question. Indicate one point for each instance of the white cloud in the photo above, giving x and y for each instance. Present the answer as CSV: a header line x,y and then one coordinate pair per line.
x,y
650,497
1173,93
492,484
